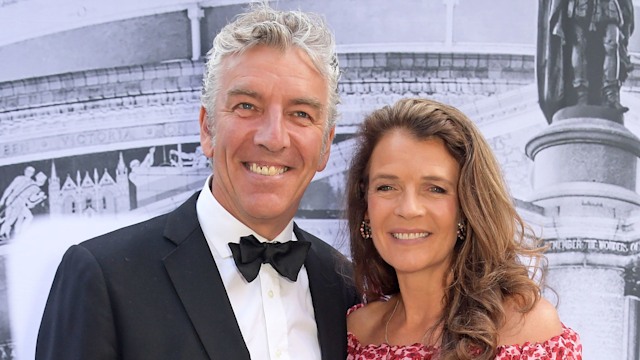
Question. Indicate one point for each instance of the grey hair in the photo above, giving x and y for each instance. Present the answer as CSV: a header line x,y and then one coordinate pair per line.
x,y
282,30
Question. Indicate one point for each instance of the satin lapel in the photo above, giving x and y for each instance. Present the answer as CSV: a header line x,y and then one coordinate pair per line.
x,y
196,279
328,305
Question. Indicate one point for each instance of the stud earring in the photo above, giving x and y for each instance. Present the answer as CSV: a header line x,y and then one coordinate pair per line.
x,y
365,229
461,232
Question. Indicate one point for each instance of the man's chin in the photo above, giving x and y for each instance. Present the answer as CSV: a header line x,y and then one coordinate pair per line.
x,y
270,206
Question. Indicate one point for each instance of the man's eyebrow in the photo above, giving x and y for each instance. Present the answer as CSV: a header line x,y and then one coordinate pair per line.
x,y
309,101
245,92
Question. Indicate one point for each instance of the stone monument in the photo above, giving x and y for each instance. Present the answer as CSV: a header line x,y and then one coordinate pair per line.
x,y
585,171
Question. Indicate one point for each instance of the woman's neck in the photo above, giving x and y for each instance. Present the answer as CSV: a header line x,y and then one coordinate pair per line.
x,y
421,298
420,308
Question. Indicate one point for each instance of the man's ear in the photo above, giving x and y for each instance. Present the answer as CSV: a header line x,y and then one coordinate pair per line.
x,y
206,138
327,150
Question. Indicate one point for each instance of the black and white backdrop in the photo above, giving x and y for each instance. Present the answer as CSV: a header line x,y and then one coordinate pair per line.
x,y
98,129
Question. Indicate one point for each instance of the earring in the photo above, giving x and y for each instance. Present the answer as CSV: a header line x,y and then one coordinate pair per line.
x,y
365,229
462,231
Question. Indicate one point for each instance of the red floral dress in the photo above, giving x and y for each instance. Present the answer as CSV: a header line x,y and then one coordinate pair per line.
x,y
565,346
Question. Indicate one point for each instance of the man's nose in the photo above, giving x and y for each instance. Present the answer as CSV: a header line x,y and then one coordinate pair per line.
x,y
272,133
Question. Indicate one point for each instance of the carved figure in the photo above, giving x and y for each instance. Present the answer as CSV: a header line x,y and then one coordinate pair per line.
x,y
17,185
148,159
195,159
582,52
146,162
17,212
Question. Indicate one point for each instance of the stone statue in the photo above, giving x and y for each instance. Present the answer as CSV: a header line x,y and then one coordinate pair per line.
x,y
147,162
17,185
582,56
195,159
18,205
149,158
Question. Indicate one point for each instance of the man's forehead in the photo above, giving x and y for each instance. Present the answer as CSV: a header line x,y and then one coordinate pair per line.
x,y
229,61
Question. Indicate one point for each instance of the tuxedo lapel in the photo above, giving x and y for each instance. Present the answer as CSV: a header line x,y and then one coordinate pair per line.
x,y
328,303
197,281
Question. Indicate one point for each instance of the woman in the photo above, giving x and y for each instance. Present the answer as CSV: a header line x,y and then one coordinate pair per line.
x,y
437,246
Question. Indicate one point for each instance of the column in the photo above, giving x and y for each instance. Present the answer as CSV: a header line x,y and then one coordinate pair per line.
x,y
450,4
195,13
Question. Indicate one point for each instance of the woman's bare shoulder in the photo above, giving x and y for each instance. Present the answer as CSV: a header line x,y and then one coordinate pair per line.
x,y
364,323
540,324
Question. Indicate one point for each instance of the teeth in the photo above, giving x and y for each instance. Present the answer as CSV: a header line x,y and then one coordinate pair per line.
x,y
267,170
407,236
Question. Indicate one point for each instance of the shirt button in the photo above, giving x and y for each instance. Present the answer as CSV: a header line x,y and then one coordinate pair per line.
x,y
278,353
270,293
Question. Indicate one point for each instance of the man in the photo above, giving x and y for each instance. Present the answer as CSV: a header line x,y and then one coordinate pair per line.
x,y
169,288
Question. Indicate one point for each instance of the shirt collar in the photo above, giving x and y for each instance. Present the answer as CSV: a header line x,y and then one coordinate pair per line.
x,y
220,227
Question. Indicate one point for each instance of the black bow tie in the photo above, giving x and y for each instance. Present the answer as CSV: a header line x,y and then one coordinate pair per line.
x,y
287,258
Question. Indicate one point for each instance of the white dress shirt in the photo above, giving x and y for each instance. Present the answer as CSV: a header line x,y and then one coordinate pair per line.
x,y
275,315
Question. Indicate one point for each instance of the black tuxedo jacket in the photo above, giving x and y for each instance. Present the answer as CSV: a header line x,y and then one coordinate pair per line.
x,y
153,291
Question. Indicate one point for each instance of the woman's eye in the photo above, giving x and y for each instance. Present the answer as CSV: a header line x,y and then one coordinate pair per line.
x,y
384,188
437,189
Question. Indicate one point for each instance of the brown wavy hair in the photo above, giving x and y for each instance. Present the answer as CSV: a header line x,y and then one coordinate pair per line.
x,y
489,265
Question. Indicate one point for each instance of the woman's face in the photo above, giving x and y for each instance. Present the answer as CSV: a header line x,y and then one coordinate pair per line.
x,y
413,202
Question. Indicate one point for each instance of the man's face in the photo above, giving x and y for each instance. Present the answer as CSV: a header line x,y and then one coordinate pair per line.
x,y
271,114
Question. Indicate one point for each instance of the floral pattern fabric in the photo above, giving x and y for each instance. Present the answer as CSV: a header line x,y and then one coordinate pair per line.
x,y
565,346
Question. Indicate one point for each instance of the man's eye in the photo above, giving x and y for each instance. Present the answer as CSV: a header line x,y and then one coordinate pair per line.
x,y
245,106
301,114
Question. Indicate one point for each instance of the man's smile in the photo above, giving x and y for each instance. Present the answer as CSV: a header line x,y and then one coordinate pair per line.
x,y
266,169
